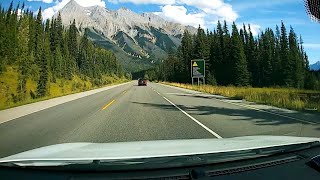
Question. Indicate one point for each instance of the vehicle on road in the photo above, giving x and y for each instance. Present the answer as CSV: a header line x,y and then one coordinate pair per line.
x,y
142,82
249,157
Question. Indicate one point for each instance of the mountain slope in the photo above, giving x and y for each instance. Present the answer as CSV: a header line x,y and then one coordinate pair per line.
x,y
128,62
139,37
315,66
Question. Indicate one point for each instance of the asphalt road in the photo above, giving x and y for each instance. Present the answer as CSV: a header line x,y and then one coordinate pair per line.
x,y
138,113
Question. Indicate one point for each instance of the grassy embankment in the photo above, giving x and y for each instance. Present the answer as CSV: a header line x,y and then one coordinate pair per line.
x,y
294,99
9,83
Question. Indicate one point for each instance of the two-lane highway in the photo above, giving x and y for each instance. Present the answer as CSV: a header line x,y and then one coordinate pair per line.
x,y
138,113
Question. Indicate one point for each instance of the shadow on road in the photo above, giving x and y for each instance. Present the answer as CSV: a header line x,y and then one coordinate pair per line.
x,y
259,118
209,96
205,96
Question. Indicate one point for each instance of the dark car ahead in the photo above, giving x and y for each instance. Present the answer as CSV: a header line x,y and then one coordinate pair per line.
x,y
142,82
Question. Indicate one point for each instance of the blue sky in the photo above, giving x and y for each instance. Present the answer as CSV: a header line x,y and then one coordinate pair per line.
x,y
259,13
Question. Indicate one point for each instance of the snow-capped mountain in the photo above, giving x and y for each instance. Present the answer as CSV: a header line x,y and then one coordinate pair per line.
x,y
142,36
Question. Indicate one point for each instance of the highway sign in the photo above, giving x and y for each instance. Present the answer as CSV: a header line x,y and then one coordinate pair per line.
x,y
198,68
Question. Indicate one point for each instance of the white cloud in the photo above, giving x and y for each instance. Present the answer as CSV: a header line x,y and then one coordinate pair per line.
x,y
179,14
255,28
206,10
312,45
88,3
208,4
215,9
19,12
44,1
48,13
59,4
162,2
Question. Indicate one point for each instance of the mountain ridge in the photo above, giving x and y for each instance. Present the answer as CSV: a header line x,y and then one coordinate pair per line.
x,y
145,36
315,66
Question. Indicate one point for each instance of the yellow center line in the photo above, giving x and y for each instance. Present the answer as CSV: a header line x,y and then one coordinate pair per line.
x,y
109,104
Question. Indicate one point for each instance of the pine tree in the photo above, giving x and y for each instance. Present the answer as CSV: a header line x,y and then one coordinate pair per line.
x,y
53,34
251,56
42,87
227,60
23,51
2,38
199,46
302,54
72,41
277,71
9,12
10,41
296,63
266,56
218,55
69,63
214,59
83,56
207,44
59,31
32,30
186,55
38,36
240,70
46,57
58,63
242,37
284,55
246,37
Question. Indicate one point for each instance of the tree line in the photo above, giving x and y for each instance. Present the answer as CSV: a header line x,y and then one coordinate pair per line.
x,y
46,50
273,58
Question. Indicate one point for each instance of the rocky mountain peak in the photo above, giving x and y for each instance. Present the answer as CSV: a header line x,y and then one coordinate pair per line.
x,y
140,36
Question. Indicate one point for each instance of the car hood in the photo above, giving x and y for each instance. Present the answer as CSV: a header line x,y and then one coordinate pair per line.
x,y
152,149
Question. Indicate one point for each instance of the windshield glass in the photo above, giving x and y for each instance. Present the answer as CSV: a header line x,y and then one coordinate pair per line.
x,y
156,73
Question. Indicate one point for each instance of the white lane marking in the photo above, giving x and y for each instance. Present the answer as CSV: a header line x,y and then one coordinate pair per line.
x,y
155,90
261,110
194,119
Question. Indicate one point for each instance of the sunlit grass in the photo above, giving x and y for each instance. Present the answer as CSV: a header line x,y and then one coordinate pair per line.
x,y
295,99
9,83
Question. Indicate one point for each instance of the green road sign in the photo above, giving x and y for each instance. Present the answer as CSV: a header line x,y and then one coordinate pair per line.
x,y
198,68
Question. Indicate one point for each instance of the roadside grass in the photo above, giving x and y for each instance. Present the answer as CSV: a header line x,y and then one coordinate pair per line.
x,y
9,83
290,98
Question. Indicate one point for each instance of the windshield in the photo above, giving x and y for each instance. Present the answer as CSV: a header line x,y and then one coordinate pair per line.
x,y
156,73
